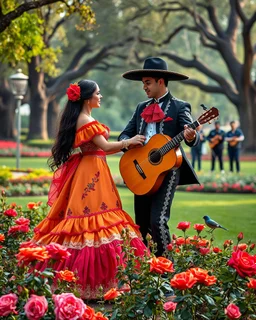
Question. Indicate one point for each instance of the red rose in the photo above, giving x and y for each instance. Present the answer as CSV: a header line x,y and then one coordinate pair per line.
x,y
180,241
161,265
111,294
199,227
183,280
252,246
216,250
88,314
67,275
169,247
252,283
22,220
10,213
241,246
240,236
227,243
244,263
57,251
31,205
73,92
184,225
232,311
204,251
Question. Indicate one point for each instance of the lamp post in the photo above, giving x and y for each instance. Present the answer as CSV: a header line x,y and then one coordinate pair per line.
x,y
19,83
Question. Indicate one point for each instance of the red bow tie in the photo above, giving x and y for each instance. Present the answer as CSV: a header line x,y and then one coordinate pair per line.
x,y
153,113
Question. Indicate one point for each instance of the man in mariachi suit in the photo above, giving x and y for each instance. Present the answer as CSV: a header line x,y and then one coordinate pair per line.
x,y
216,139
162,113
234,137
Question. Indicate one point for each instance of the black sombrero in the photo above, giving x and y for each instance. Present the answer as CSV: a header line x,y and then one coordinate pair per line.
x,y
154,67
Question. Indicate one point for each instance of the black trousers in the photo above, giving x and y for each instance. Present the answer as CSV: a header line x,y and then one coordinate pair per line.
x,y
217,152
152,212
233,154
196,154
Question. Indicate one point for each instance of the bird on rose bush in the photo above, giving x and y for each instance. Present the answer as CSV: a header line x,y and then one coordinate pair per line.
x,y
212,224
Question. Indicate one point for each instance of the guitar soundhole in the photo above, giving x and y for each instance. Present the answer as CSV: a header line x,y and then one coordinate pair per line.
x,y
155,157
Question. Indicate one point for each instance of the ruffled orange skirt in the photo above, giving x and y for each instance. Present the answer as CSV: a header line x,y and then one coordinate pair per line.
x,y
88,219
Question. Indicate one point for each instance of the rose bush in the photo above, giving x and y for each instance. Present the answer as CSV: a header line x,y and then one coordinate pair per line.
x,y
27,293
209,282
205,281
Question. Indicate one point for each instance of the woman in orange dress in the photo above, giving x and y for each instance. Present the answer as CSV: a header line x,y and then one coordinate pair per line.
x,y
86,214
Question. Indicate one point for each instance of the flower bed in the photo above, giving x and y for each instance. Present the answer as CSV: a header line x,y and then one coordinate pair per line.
x,y
8,149
37,182
209,282
226,183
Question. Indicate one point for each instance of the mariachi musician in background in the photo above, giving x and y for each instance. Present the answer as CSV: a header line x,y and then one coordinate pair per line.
x,y
216,139
234,138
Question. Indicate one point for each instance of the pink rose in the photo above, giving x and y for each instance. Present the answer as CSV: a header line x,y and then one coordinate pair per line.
x,y
8,304
57,251
170,306
36,307
22,220
204,251
232,311
68,306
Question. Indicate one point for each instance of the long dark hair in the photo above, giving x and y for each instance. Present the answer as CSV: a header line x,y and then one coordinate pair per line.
x,y
62,147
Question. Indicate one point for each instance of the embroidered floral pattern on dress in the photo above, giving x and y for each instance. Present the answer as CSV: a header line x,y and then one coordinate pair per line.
x,y
69,213
86,210
91,185
61,214
103,206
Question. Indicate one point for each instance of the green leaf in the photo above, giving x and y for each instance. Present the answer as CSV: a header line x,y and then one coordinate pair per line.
x,y
209,300
147,312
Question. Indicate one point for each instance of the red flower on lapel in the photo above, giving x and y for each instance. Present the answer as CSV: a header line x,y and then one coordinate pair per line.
x,y
168,119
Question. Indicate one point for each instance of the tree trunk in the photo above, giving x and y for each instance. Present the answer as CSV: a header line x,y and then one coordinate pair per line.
x,y
247,114
38,102
7,112
52,118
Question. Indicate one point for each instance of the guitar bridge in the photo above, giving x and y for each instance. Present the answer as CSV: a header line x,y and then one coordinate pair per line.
x,y
139,169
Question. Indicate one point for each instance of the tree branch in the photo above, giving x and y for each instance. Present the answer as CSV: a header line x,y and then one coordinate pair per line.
x,y
240,11
226,86
213,18
231,30
75,70
6,20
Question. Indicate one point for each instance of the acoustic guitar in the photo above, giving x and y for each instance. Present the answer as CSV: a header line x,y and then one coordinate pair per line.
x,y
233,143
143,169
215,141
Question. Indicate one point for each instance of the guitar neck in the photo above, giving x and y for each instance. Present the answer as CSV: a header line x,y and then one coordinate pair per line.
x,y
176,140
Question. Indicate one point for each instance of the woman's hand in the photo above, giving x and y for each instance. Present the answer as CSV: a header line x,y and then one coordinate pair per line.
x,y
137,140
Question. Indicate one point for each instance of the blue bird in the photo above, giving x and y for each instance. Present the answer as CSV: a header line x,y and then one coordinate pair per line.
x,y
212,224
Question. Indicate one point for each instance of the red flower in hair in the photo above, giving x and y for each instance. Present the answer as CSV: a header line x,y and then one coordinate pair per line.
x,y
73,92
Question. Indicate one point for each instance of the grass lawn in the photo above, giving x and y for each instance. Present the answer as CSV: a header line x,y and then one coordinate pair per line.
x,y
235,212
113,162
